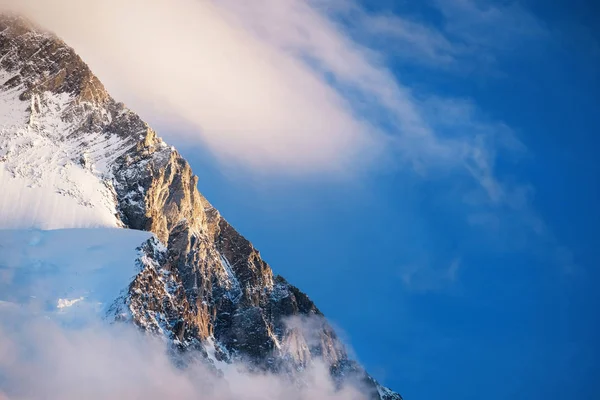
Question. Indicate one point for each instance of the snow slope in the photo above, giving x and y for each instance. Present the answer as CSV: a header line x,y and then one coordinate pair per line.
x,y
52,177
71,275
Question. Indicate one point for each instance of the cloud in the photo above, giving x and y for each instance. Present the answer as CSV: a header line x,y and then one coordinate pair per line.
x,y
412,40
40,358
466,36
252,102
484,24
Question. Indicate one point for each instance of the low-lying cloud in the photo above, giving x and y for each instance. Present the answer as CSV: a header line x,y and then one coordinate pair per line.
x,y
40,358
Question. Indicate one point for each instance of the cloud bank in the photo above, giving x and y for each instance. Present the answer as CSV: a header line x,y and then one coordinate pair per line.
x,y
42,359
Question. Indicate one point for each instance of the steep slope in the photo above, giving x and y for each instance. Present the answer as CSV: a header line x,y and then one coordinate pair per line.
x,y
71,156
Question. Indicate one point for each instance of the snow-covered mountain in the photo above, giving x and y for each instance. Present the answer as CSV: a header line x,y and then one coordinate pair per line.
x,y
72,157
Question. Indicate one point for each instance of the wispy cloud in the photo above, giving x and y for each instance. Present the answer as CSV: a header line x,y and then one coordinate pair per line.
x,y
100,361
412,40
499,26
468,35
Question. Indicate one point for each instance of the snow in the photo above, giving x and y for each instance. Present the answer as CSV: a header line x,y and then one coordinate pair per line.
x,y
385,392
235,290
211,352
25,206
50,177
64,303
71,275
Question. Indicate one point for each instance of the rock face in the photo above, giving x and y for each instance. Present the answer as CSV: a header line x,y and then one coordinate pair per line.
x,y
202,284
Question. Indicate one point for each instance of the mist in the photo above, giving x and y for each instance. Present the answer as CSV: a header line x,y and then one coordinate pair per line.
x,y
43,358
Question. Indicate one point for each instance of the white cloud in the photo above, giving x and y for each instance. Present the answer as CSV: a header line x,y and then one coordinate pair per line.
x,y
252,102
41,359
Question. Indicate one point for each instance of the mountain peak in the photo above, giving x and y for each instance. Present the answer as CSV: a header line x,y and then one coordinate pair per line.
x,y
40,61
201,284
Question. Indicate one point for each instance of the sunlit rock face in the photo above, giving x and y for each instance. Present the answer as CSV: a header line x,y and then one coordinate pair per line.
x,y
201,284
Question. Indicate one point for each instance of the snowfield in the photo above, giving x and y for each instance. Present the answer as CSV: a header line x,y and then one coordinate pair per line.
x,y
51,176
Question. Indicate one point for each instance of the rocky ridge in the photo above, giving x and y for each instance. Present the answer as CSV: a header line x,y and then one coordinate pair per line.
x,y
201,284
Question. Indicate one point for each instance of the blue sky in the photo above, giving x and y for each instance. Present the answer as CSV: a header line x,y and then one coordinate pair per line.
x,y
425,171
439,294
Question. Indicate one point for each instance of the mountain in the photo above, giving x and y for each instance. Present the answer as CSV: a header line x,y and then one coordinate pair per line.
x,y
73,157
